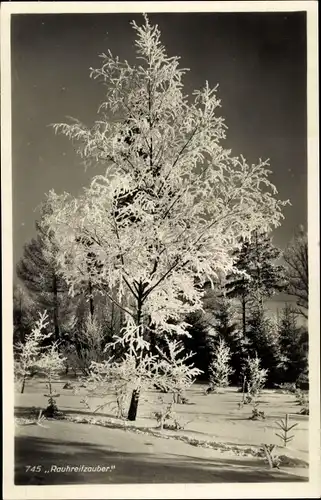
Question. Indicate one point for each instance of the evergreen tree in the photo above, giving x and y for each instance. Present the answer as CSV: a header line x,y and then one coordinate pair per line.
x,y
263,341
38,271
223,324
256,274
254,377
297,268
220,369
197,343
294,345
23,313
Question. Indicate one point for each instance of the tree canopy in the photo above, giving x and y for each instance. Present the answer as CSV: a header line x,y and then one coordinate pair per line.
x,y
173,202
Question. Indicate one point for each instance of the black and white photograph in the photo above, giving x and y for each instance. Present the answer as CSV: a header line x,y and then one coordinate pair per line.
x,y
160,239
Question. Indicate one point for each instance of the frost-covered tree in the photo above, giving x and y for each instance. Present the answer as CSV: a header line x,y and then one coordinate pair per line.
x,y
28,352
172,203
297,267
49,364
220,369
255,376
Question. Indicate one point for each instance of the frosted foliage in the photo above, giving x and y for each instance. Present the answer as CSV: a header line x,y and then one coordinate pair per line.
x,y
28,353
167,371
172,202
219,369
172,373
122,376
51,362
256,376
34,356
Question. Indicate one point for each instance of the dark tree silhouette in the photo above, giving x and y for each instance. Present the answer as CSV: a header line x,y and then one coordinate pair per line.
x,y
294,345
257,275
38,271
297,268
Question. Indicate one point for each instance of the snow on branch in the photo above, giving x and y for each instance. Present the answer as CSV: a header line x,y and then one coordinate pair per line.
x,y
173,202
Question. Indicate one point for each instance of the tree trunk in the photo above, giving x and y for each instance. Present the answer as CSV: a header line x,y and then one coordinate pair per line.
x,y
244,389
23,385
152,340
132,412
244,315
49,386
55,308
91,299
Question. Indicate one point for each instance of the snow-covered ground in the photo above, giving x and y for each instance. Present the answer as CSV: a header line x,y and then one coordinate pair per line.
x,y
146,458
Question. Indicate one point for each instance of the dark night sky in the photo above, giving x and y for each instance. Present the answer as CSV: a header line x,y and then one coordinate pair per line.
x,y
259,60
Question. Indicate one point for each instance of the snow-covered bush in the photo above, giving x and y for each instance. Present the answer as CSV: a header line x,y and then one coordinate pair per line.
x,y
255,377
49,364
172,373
220,369
107,379
117,379
35,357
167,418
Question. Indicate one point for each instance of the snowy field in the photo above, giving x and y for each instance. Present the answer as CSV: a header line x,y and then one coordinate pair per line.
x,y
140,455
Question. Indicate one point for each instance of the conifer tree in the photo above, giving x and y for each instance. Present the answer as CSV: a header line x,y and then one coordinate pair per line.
x,y
220,369
197,342
224,325
256,274
39,272
23,313
293,341
263,341
297,268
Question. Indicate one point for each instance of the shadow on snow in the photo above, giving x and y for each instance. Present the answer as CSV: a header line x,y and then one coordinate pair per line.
x,y
130,467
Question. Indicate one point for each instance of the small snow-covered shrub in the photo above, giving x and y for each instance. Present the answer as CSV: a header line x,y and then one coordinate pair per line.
x,y
50,364
164,414
270,455
288,387
111,378
28,353
33,356
220,369
256,413
255,378
301,397
167,418
118,379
